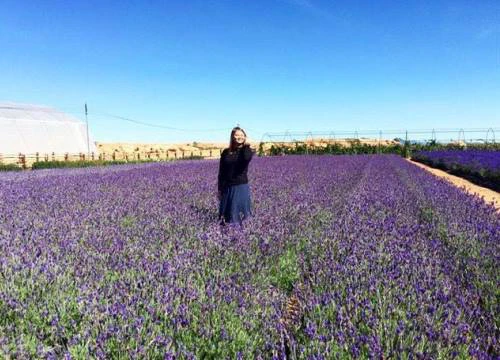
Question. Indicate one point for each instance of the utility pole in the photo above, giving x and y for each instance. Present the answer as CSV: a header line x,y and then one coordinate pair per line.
x,y
88,140
407,151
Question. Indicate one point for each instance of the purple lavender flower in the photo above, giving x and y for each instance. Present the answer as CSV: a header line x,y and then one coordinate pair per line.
x,y
130,261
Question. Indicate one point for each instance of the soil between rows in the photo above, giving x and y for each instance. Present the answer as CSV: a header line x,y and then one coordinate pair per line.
x,y
488,195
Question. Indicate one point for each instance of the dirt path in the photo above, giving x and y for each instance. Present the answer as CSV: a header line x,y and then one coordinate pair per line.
x,y
488,195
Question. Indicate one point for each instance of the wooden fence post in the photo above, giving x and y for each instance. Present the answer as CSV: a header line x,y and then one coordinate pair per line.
x,y
53,156
92,156
37,156
22,160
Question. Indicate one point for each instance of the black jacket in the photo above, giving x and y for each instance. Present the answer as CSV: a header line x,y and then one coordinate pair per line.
x,y
233,167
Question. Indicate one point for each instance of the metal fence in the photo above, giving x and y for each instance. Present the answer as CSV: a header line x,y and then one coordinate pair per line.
x,y
476,136
462,136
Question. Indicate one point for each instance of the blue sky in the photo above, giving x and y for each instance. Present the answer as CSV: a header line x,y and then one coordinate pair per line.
x,y
269,65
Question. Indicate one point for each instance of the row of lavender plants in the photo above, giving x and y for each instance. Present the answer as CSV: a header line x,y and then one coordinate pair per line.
x,y
346,257
479,166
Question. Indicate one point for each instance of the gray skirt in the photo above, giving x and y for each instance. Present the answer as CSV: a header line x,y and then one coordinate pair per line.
x,y
234,204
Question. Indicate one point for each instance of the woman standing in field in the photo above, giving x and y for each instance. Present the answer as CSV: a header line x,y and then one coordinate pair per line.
x,y
233,189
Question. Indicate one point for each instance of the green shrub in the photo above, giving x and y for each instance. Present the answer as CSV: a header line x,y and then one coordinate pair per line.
x,y
403,148
82,163
9,167
355,147
191,157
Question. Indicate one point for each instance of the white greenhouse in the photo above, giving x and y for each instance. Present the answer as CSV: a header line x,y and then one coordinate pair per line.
x,y
29,129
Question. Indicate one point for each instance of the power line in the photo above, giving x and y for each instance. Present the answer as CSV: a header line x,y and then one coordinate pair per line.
x,y
139,122
159,126
356,133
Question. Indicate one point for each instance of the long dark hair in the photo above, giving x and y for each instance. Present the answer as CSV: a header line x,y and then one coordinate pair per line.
x,y
232,143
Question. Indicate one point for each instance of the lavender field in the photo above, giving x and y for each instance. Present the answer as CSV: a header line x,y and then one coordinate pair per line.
x,y
479,166
346,257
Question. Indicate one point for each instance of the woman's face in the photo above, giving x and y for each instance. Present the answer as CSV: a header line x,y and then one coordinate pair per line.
x,y
239,137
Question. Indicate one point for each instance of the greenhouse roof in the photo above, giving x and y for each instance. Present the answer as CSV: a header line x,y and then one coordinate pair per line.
x,y
28,129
